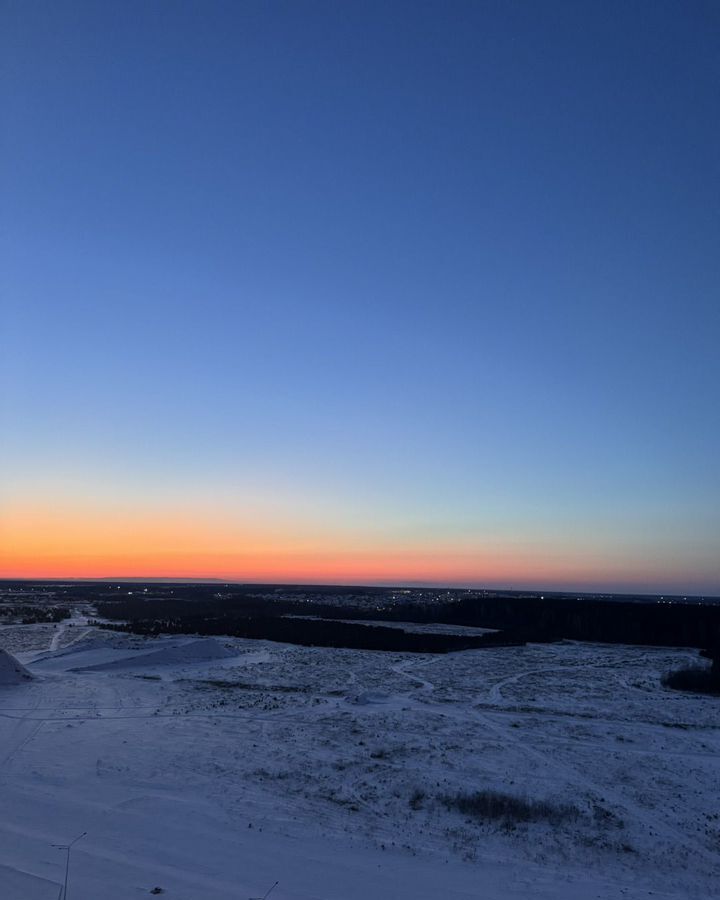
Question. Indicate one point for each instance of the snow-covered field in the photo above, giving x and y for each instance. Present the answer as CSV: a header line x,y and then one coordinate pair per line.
x,y
212,769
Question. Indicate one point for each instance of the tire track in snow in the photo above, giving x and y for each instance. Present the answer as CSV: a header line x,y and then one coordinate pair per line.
x,y
24,731
565,768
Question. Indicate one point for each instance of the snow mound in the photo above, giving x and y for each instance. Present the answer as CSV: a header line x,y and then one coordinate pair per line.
x,y
204,650
11,671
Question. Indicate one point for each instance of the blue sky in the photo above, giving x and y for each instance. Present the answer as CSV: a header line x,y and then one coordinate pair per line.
x,y
423,274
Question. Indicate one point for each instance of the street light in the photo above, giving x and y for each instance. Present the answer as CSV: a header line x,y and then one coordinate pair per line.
x,y
67,848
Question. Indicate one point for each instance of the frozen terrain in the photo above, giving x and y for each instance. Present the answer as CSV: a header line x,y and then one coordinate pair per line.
x,y
11,671
213,768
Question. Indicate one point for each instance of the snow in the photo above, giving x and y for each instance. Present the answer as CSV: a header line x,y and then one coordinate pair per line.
x,y
182,654
213,768
11,671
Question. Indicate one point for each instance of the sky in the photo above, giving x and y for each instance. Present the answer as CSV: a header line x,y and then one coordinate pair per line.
x,y
373,292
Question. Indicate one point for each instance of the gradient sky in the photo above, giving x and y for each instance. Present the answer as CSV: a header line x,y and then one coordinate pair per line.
x,y
362,292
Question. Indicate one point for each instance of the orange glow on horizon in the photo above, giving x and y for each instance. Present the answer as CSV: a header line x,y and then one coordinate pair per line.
x,y
41,543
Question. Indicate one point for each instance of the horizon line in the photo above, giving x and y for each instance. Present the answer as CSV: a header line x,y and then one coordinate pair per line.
x,y
412,585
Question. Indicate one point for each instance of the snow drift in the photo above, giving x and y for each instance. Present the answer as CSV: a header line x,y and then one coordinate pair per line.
x,y
204,650
11,671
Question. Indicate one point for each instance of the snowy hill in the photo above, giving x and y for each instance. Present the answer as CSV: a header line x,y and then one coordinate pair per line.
x,y
214,768
11,671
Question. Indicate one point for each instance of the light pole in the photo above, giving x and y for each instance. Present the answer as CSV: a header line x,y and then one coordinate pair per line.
x,y
67,848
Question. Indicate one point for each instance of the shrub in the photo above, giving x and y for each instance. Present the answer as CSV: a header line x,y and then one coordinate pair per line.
x,y
697,679
380,753
508,809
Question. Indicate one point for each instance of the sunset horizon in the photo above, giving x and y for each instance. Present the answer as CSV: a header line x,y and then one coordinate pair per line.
x,y
339,296
359,449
